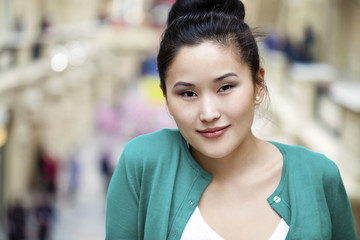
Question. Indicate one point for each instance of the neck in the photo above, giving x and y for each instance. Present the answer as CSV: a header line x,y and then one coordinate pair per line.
x,y
242,161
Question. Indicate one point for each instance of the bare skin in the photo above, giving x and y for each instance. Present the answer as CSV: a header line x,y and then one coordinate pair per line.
x,y
235,203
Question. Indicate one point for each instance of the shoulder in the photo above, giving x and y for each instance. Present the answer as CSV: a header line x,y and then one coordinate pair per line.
x,y
154,142
153,147
299,158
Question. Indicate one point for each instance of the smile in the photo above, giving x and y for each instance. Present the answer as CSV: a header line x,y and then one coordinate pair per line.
x,y
213,132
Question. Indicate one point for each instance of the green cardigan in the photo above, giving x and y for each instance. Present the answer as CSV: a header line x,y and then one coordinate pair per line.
x,y
157,185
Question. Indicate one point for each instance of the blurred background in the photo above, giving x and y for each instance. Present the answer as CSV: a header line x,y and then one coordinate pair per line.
x,y
78,79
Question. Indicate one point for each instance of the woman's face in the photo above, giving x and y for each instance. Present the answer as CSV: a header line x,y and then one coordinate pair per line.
x,y
212,97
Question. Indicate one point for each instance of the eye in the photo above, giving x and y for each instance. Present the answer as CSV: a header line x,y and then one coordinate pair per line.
x,y
225,88
188,94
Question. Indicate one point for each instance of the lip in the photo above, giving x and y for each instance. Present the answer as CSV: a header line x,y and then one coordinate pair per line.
x,y
213,132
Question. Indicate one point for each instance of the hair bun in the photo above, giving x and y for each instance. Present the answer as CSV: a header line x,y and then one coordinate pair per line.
x,y
185,7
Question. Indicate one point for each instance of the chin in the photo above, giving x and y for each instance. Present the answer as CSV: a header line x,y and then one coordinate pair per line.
x,y
216,153
214,150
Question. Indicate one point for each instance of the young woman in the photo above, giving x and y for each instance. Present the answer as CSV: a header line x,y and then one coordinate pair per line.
x,y
212,178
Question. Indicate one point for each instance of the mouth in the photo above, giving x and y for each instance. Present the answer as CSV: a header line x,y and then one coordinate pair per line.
x,y
213,132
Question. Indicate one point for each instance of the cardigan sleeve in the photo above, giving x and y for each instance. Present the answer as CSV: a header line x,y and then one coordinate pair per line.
x,y
122,201
343,226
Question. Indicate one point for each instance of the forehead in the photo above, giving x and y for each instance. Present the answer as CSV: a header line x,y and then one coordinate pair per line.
x,y
206,49
205,58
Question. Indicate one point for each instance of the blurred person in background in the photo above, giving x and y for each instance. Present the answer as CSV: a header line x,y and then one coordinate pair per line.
x,y
50,172
308,44
47,172
16,221
44,215
73,169
213,178
105,167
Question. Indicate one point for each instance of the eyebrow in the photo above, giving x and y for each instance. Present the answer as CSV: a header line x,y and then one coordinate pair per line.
x,y
186,84
230,74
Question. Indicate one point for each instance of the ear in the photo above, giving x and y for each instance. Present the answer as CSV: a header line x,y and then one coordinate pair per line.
x,y
260,86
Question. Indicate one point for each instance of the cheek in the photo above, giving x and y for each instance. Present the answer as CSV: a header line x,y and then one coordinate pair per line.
x,y
182,114
239,108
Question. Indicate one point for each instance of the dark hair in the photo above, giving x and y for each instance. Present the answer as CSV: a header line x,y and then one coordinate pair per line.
x,y
192,22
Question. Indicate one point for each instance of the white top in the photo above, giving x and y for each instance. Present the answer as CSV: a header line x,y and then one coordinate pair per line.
x,y
197,228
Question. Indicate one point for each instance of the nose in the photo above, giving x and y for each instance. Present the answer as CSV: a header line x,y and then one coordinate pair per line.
x,y
209,110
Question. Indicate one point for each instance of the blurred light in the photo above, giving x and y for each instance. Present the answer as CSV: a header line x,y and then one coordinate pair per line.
x,y
77,53
59,59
